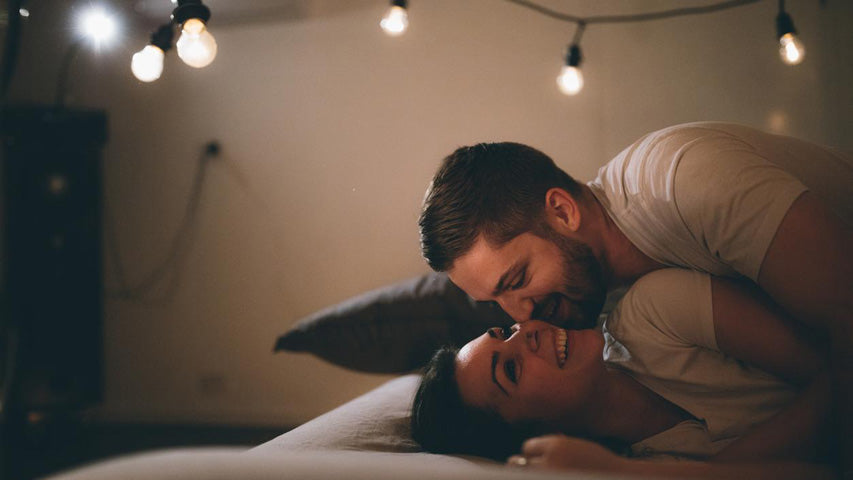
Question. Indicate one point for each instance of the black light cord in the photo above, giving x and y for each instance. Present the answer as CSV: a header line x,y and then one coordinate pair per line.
x,y
13,44
64,70
641,17
10,337
576,40
8,329
177,250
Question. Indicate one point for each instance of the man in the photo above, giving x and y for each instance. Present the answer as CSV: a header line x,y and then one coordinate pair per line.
x,y
510,227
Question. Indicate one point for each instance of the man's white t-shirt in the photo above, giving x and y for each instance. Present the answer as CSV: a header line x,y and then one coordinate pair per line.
x,y
662,334
709,196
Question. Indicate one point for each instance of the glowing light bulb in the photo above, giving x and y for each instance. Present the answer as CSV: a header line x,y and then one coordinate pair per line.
x,y
570,80
791,49
396,21
196,47
147,64
97,25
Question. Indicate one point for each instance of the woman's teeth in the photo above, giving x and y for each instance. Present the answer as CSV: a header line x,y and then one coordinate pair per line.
x,y
560,346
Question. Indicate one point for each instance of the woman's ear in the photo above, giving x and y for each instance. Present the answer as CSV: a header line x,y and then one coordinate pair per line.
x,y
562,211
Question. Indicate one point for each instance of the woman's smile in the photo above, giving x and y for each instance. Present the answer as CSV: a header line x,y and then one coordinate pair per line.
x,y
561,339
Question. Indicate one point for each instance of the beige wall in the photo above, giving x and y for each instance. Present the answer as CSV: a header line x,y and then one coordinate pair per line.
x,y
330,133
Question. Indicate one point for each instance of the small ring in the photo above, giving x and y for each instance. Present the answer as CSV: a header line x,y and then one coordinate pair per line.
x,y
519,461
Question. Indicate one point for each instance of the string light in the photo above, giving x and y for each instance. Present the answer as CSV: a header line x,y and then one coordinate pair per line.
x,y
396,19
791,49
196,46
570,80
99,26
147,64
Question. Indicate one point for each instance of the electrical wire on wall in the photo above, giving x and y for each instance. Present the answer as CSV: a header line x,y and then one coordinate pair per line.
x,y
12,45
175,258
171,266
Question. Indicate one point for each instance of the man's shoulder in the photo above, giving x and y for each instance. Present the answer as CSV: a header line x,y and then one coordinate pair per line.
x,y
666,143
655,154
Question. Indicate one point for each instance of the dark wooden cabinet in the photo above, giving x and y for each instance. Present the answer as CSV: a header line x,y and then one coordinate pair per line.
x,y
52,288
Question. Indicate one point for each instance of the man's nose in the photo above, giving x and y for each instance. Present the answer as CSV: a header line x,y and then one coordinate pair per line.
x,y
517,308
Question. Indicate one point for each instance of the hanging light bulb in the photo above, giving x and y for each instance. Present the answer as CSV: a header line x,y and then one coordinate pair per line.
x,y
99,26
396,19
791,49
570,80
147,64
196,46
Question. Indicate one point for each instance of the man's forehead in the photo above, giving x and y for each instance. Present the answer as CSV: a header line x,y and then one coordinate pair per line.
x,y
481,268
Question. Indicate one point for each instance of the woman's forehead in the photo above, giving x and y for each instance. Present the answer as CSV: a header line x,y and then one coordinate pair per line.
x,y
474,372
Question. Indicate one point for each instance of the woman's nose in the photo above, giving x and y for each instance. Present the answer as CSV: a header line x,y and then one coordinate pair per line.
x,y
527,336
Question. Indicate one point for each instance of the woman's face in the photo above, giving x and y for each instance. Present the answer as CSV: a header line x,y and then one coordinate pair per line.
x,y
531,372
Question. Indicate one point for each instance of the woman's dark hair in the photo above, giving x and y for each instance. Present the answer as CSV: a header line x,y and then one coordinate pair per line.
x,y
442,423
494,189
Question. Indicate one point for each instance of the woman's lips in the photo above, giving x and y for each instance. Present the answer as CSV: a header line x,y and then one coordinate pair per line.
x,y
561,349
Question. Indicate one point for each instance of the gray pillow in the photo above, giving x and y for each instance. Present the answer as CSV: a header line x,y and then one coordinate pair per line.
x,y
393,329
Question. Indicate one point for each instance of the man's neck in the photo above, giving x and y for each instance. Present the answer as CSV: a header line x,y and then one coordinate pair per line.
x,y
621,261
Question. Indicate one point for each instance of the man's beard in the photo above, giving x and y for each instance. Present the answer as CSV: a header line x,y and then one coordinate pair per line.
x,y
585,298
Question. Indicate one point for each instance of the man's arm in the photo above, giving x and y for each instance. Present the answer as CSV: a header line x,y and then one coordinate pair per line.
x,y
751,328
559,452
799,432
808,270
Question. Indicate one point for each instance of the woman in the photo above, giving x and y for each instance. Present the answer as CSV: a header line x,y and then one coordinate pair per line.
x,y
664,378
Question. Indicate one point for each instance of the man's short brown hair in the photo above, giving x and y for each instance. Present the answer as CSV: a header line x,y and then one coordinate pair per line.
x,y
494,189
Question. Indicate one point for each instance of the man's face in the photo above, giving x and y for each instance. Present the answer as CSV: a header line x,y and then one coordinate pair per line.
x,y
556,279
532,373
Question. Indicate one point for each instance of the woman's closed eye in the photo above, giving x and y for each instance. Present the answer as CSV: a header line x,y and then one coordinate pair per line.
x,y
511,371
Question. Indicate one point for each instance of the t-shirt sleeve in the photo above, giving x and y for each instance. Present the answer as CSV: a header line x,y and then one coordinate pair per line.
x,y
732,200
671,306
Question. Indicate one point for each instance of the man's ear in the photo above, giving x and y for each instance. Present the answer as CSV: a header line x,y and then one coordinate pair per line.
x,y
562,211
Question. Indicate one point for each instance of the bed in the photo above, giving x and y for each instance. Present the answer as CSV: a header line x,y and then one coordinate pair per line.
x,y
366,438
393,329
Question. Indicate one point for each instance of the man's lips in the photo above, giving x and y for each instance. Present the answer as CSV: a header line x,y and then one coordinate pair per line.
x,y
546,310
556,310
